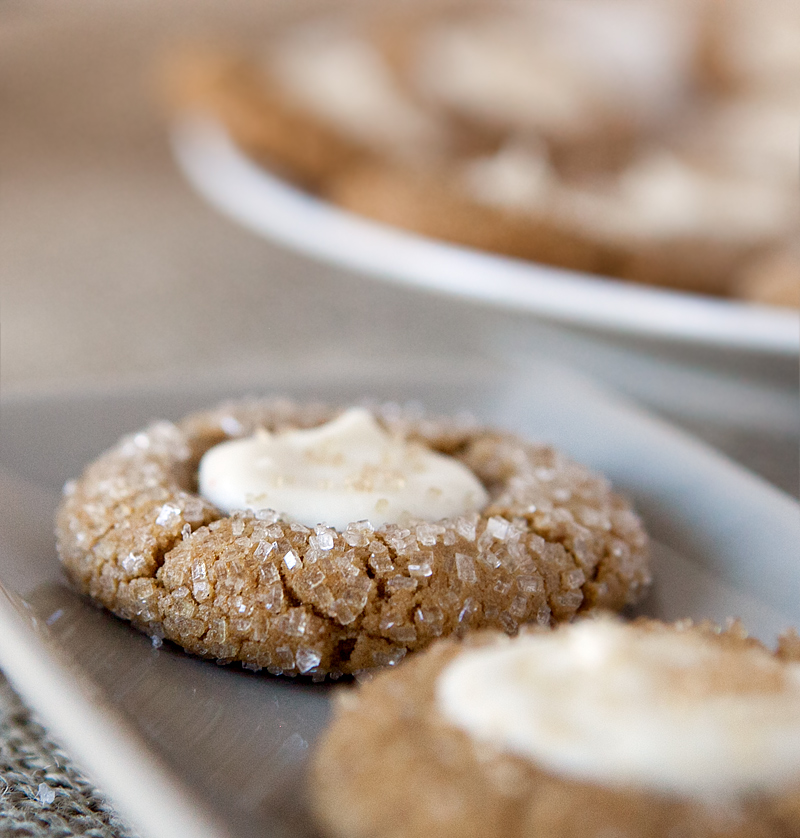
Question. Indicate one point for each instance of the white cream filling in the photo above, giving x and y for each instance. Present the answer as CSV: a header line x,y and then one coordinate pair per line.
x,y
673,713
661,196
491,72
347,470
558,66
344,80
517,177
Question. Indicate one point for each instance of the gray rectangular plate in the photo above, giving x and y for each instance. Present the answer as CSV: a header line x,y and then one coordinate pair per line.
x,y
185,747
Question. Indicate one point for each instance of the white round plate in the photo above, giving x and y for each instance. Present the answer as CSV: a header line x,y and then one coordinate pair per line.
x,y
270,206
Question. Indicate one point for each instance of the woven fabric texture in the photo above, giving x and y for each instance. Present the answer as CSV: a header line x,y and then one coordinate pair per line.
x,y
41,792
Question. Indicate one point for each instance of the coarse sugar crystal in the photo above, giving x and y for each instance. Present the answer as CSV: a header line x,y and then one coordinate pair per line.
x,y
420,571
468,610
530,584
345,566
358,533
401,583
294,622
427,534
264,548
389,619
284,657
239,605
194,509
275,531
466,526
566,601
518,607
509,624
271,599
465,569
182,607
168,515
379,558
489,558
485,540
45,796
431,617
343,613
269,574
324,538
290,560
166,439
314,577
498,528
390,657
306,660
313,554
324,598
572,579
201,589
358,591
133,563
404,633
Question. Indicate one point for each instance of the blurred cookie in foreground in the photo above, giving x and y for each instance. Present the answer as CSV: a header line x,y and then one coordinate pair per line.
x,y
653,142
319,541
597,728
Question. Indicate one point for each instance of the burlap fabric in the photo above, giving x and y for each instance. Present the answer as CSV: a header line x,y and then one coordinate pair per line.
x,y
41,792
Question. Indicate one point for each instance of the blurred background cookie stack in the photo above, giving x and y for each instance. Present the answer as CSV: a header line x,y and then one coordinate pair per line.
x,y
650,142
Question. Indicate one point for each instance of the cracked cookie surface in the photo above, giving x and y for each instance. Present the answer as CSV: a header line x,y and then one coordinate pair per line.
x,y
133,533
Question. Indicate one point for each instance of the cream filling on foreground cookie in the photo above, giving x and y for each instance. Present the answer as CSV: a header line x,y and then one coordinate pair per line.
x,y
665,711
347,470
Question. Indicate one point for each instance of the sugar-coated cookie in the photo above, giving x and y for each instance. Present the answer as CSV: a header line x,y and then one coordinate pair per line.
x,y
532,537
596,728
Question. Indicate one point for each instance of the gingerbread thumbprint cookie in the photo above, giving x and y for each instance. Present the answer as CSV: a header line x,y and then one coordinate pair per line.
x,y
312,540
596,728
